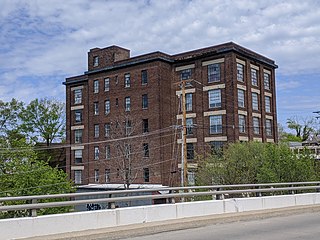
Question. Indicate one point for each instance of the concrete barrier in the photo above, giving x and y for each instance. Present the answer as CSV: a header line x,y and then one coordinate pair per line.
x,y
70,222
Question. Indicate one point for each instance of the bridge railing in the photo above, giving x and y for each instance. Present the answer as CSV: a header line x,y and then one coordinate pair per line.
x,y
170,194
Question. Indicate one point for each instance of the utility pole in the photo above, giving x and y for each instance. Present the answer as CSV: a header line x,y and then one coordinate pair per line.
x,y
184,166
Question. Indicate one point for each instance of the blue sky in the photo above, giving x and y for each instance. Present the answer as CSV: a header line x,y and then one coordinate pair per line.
x,y
43,42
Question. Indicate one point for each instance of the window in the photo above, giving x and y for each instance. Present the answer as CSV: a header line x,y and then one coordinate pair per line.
x,y
144,77
191,178
78,176
254,77
145,125
145,101
240,72
268,104
78,156
145,150
266,81
96,130
240,98
189,126
255,102
190,151
214,72
127,151
215,124
185,74
106,84
128,127
107,130
268,127
127,80
116,80
108,152
117,102
96,175
96,86
78,136
107,107
256,125
146,174
96,153
107,175
77,96
78,116
189,102
242,123
214,98
96,108
127,104
96,61
217,147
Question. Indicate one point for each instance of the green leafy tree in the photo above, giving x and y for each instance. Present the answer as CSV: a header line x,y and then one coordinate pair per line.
x,y
9,115
21,174
44,119
254,162
303,127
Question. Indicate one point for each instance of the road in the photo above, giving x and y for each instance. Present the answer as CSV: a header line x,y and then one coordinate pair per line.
x,y
301,226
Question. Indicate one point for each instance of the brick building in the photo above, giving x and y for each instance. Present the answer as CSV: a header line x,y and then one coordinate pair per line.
x,y
123,113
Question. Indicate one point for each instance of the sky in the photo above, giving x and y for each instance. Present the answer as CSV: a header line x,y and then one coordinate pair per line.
x,y
44,41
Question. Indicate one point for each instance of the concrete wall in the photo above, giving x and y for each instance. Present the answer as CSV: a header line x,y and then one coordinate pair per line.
x,y
63,223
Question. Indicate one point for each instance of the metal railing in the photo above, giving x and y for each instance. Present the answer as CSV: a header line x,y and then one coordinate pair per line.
x,y
170,194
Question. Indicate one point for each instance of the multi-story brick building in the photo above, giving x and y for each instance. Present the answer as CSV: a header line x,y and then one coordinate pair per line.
x,y
123,113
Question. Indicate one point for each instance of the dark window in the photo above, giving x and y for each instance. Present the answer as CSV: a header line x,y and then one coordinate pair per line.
x,y
106,84
185,74
145,125
96,175
268,104
268,127
240,98
96,108
78,136
145,101
128,127
189,102
146,150
96,130
214,72
96,86
144,77
189,126
242,123
107,175
96,153
146,174
107,130
108,152
190,151
117,102
217,147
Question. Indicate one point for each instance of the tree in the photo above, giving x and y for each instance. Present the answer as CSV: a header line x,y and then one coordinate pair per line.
x,y
303,127
45,119
21,174
127,146
254,162
9,115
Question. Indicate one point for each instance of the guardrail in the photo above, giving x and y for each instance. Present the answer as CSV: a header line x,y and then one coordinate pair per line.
x,y
172,194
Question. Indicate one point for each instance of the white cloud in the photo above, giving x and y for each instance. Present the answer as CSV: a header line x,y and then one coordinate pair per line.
x,y
42,41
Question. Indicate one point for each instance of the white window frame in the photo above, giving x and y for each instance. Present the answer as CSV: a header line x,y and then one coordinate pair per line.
x,y
215,124
127,80
107,107
96,130
266,81
256,125
127,104
214,97
255,101
77,96
95,61
214,73
96,153
267,101
188,102
240,72
254,77
78,176
268,127
78,156
78,136
107,84
241,98
242,123
96,86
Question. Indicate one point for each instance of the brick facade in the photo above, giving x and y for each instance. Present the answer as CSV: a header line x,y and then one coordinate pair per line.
x,y
154,97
